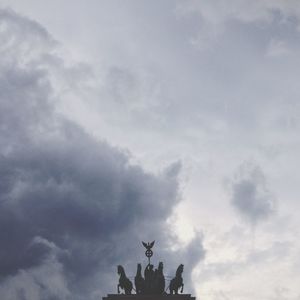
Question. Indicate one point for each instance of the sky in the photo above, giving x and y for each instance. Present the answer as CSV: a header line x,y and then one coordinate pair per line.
x,y
130,120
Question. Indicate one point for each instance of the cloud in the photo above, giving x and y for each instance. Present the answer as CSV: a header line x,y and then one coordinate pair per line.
x,y
71,207
194,252
220,12
217,16
250,195
239,270
277,48
47,281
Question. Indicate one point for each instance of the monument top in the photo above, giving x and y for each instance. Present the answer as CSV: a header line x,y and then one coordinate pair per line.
x,y
152,283
149,297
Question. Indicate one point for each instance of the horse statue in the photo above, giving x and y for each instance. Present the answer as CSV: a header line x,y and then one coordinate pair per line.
x,y
124,282
139,281
159,279
177,281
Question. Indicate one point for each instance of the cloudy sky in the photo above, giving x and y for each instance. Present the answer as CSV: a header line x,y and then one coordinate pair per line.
x,y
130,120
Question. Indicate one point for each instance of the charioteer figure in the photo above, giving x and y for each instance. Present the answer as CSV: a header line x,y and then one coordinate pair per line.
x,y
159,280
149,279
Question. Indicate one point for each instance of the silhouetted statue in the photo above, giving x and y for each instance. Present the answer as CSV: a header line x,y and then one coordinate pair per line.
x,y
124,282
149,278
139,280
153,282
177,281
159,280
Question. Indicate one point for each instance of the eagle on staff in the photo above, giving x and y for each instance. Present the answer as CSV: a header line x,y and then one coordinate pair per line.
x,y
148,247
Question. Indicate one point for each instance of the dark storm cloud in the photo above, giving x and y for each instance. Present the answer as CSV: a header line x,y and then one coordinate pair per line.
x,y
71,207
250,194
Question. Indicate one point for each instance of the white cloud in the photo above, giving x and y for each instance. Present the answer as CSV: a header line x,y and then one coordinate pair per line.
x,y
277,48
216,16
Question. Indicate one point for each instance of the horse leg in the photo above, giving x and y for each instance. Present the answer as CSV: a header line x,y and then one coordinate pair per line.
x,y
118,286
174,291
128,291
182,288
171,288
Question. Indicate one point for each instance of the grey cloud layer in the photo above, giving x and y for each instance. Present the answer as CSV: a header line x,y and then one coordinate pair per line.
x,y
250,195
71,207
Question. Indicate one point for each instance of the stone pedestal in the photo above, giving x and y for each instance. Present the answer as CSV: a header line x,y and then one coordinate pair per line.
x,y
148,297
